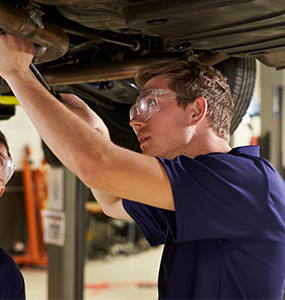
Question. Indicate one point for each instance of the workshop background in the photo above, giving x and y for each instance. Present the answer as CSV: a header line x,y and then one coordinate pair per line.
x,y
118,263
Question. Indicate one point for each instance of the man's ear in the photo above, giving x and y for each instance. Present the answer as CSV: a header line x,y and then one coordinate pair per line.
x,y
2,189
199,110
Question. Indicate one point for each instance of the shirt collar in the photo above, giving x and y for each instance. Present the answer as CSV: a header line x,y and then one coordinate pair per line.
x,y
248,150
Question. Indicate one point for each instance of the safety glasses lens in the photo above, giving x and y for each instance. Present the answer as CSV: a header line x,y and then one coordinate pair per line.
x,y
7,168
147,104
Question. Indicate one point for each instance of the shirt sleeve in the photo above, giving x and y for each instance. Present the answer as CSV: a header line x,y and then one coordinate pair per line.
x,y
151,220
217,196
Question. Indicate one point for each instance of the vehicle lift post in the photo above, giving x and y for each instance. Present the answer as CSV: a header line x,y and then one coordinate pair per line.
x,y
66,263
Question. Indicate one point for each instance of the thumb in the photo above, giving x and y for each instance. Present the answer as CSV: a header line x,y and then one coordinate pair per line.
x,y
72,100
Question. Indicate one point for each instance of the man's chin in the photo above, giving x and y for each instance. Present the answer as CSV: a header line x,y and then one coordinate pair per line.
x,y
148,152
155,154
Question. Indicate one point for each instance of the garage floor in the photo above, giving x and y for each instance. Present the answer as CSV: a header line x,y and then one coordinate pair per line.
x,y
119,277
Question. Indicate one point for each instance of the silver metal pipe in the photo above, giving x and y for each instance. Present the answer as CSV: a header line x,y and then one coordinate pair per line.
x,y
53,41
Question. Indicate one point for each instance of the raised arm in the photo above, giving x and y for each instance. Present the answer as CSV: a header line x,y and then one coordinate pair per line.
x,y
99,163
110,204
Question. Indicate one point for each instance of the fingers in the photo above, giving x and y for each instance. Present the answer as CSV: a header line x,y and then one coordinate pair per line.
x,y
72,100
14,43
15,53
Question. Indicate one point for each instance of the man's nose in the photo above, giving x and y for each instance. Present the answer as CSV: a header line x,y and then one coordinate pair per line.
x,y
136,123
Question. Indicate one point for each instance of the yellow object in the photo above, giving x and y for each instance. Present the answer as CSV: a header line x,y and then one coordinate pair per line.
x,y
8,100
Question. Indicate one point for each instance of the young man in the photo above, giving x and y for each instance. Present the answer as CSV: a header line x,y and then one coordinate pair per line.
x,y
11,280
219,211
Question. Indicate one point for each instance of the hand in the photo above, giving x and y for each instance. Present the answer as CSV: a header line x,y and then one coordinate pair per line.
x,y
15,54
82,110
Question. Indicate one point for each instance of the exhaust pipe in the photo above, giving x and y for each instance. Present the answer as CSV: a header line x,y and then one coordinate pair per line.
x,y
57,2
53,41
67,75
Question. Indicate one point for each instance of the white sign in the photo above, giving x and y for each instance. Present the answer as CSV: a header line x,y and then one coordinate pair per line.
x,y
53,227
55,188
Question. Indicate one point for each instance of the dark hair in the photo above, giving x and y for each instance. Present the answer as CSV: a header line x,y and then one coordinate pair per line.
x,y
3,140
190,80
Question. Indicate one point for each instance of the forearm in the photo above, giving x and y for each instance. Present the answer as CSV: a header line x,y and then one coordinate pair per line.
x,y
65,133
110,204
72,139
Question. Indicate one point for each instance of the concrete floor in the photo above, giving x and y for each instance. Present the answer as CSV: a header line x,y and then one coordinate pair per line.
x,y
120,277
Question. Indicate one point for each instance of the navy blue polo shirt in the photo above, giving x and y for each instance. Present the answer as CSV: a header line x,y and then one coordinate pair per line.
x,y
11,280
226,238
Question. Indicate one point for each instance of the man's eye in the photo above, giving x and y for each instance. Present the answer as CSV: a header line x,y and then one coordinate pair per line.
x,y
151,102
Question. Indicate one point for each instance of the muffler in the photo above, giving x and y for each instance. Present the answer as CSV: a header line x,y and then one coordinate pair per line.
x,y
53,41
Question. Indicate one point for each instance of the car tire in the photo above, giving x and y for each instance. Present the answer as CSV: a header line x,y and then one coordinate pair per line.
x,y
241,74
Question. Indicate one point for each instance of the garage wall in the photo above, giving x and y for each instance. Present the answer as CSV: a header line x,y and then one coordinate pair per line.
x,y
20,133
270,125
272,112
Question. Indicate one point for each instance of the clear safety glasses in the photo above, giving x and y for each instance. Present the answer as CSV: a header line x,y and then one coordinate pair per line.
x,y
148,105
7,168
